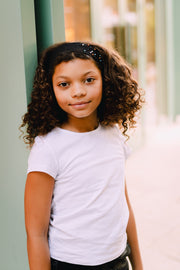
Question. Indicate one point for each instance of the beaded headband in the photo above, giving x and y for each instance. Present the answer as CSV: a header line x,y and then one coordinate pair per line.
x,y
92,51
84,48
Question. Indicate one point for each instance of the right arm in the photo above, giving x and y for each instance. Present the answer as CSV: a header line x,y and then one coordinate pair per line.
x,y
38,197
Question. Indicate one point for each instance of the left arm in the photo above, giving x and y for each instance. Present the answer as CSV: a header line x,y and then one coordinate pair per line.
x,y
135,256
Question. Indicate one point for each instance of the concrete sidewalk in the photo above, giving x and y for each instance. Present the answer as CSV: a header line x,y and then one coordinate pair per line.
x,y
153,179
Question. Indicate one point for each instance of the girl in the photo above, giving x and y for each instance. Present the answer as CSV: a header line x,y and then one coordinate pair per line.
x,y
77,210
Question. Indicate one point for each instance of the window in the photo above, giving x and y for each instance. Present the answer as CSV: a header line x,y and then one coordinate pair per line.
x,y
77,20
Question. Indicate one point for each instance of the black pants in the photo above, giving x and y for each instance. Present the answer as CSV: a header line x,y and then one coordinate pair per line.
x,y
119,263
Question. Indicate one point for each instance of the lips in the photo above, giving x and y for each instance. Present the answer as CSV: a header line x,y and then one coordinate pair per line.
x,y
80,104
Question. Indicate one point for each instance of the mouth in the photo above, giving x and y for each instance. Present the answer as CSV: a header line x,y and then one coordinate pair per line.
x,y
80,104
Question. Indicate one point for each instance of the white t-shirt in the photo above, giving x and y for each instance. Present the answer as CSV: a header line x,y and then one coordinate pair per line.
x,y
89,212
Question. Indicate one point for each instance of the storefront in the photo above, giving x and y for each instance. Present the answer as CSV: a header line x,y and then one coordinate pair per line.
x,y
141,30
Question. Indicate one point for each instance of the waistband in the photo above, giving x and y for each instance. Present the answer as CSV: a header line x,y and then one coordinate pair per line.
x,y
56,265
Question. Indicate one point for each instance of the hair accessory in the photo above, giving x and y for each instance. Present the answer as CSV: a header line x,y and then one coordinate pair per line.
x,y
92,52
79,49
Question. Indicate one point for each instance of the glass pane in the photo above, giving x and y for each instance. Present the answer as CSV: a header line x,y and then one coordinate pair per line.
x,y
110,19
119,21
116,24
131,5
77,20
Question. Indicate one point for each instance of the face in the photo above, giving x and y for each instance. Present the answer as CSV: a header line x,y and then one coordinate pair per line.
x,y
77,86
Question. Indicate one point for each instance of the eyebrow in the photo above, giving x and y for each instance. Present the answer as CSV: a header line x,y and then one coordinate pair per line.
x,y
83,75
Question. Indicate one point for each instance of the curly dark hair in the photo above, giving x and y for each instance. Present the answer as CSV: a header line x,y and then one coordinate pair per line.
x,y
121,99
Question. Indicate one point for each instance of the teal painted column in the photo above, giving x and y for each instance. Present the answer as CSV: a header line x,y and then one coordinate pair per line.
x,y
176,56
18,54
170,59
49,22
13,159
29,43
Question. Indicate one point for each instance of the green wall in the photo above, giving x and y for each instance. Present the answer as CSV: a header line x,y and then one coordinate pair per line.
x,y
13,152
176,43
49,22
18,54
29,42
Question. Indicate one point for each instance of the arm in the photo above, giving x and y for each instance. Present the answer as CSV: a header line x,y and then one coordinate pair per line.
x,y
38,196
135,257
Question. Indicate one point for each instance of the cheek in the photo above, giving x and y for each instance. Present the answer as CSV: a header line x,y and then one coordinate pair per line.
x,y
62,101
98,93
60,95
61,98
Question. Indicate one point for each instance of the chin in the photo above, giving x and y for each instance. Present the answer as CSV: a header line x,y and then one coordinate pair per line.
x,y
80,116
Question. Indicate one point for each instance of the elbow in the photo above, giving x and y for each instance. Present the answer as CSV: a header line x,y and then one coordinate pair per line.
x,y
33,232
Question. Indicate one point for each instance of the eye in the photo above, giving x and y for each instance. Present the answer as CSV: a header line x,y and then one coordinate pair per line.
x,y
89,80
63,84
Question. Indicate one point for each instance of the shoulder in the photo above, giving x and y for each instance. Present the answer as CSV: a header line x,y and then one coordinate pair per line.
x,y
45,140
45,146
42,156
49,136
115,130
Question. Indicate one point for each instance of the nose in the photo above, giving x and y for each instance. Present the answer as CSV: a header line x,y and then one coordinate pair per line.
x,y
78,90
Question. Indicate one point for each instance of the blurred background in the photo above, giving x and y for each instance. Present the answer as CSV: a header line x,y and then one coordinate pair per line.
x,y
147,34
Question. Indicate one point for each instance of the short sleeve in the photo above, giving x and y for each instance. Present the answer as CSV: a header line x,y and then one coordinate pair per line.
x,y
127,149
41,158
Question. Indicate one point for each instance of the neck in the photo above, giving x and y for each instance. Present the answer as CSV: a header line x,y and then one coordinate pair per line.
x,y
80,125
